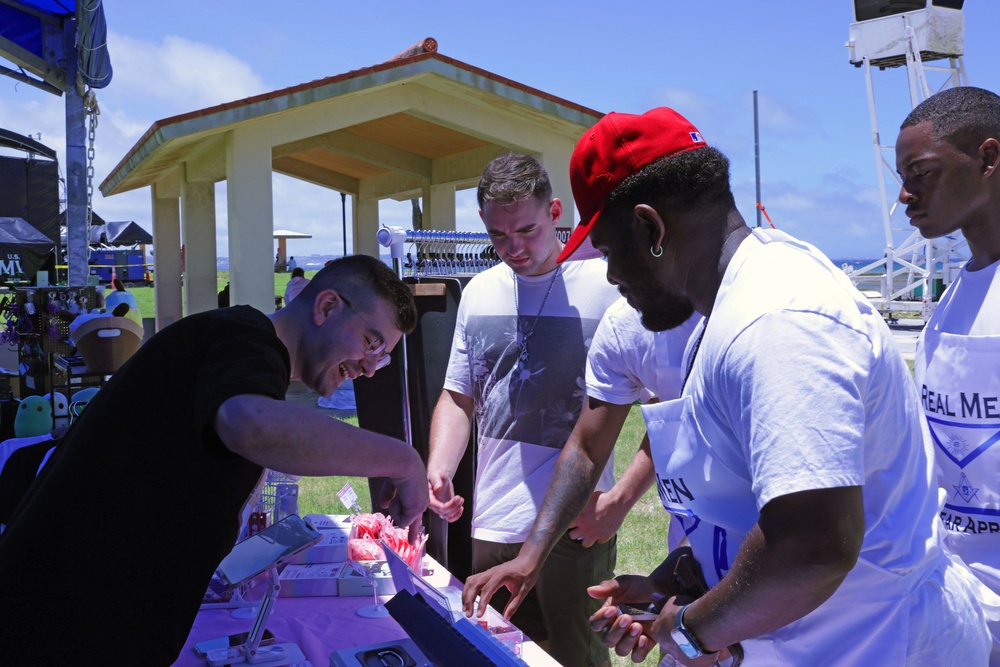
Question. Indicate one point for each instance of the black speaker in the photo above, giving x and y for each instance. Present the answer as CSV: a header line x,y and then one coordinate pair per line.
x,y
380,409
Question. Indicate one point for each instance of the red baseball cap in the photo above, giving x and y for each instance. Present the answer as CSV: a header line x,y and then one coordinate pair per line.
x,y
617,147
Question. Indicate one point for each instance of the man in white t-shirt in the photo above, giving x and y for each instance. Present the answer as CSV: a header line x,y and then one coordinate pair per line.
x,y
809,464
517,368
947,154
626,363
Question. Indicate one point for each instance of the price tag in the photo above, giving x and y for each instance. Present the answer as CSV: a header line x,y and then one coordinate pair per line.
x,y
349,498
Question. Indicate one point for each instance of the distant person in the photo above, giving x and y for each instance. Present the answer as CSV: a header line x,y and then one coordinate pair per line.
x,y
295,285
224,297
517,368
292,264
809,470
169,453
947,154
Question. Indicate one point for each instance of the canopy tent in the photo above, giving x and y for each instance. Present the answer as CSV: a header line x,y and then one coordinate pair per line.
x,y
23,249
281,261
60,46
126,232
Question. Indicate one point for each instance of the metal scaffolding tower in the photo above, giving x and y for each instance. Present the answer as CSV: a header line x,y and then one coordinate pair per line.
x,y
907,33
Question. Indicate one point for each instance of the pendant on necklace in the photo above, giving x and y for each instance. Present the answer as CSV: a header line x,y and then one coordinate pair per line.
x,y
524,353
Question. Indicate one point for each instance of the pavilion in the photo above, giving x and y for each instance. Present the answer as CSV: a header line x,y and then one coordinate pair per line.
x,y
418,125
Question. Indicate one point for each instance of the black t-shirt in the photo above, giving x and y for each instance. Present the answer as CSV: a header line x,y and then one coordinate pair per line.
x,y
111,551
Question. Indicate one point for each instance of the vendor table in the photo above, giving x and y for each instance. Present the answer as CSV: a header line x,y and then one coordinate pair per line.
x,y
322,625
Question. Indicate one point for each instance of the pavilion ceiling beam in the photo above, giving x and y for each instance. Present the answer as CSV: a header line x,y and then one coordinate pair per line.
x,y
391,185
208,164
460,168
360,148
315,175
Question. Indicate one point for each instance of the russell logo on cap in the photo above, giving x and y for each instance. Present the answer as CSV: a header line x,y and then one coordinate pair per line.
x,y
617,147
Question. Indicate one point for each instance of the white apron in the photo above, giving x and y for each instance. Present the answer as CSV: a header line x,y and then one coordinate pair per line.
x,y
958,378
866,620
720,507
960,394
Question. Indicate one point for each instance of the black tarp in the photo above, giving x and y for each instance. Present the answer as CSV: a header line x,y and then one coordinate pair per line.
x,y
23,249
29,189
126,232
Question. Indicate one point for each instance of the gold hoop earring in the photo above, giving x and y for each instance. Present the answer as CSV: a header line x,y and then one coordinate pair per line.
x,y
655,254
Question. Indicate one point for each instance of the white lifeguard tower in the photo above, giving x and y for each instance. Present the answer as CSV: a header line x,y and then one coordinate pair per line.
x,y
908,33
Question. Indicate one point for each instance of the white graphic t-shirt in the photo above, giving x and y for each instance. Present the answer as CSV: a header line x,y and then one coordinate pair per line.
x,y
525,410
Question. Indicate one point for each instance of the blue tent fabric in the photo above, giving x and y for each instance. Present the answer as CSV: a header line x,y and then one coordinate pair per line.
x,y
22,23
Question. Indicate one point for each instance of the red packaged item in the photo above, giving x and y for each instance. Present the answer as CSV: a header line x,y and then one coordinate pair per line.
x,y
368,530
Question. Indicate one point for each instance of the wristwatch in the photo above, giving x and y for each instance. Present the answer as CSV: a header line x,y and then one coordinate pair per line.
x,y
685,639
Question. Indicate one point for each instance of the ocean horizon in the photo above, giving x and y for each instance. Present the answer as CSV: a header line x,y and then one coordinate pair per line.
x,y
316,262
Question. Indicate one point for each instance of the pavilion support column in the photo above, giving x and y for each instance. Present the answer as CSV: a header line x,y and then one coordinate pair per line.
x,y
439,207
166,256
251,220
198,230
557,164
365,227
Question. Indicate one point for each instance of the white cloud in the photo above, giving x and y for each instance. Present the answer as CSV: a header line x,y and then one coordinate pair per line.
x,y
181,74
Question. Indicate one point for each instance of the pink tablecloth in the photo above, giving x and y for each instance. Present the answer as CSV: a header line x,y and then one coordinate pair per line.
x,y
318,625
321,625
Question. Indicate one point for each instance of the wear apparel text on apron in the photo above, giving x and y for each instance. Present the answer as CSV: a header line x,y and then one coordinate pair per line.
x,y
959,389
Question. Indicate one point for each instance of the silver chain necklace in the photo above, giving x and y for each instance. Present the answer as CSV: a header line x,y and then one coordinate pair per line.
x,y
522,339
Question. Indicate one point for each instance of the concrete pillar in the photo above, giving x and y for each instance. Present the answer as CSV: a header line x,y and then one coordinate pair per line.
x,y
365,215
198,231
166,257
439,207
251,220
557,164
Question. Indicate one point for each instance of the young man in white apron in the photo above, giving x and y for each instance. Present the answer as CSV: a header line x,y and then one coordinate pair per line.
x,y
947,154
796,437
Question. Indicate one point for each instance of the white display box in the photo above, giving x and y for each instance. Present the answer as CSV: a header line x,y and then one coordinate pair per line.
x,y
331,549
310,580
353,584
340,522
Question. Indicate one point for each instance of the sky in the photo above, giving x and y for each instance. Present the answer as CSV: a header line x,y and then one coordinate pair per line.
x,y
705,59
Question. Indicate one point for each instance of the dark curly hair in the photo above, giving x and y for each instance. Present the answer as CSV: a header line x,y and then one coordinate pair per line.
x,y
695,177
965,116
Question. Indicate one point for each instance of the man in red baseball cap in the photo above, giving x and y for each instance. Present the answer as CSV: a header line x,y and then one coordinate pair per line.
x,y
807,469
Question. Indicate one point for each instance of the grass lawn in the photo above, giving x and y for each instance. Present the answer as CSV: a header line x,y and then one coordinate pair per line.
x,y
147,304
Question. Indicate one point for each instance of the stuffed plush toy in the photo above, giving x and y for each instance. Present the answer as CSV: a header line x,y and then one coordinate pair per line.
x,y
80,400
114,300
34,417
60,408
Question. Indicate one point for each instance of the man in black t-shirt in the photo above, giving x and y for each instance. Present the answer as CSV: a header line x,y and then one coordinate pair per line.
x,y
115,543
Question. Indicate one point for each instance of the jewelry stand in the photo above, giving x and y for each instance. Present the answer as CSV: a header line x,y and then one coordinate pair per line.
x,y
376,610
251,652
